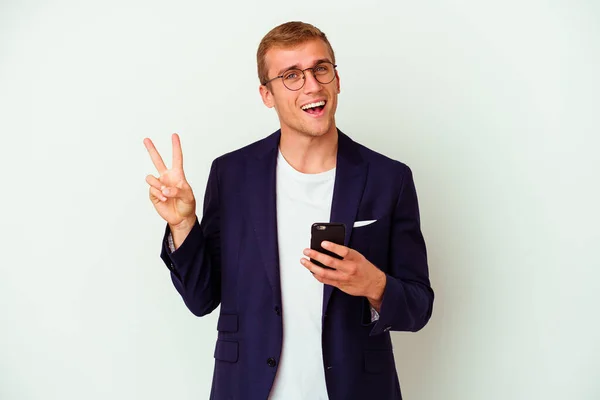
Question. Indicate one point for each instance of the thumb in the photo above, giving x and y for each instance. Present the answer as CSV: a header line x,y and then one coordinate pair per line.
x,y
183,194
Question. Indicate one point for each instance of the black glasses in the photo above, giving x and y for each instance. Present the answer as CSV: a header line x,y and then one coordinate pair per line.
x,y
294,79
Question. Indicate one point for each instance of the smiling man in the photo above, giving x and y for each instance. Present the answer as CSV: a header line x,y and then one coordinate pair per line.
x,y
288,328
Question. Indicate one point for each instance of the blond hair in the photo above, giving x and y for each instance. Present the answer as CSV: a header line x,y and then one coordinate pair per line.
x,y
287,35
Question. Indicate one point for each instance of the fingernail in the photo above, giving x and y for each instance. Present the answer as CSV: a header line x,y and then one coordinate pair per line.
x,y
325,244
305,252
165,192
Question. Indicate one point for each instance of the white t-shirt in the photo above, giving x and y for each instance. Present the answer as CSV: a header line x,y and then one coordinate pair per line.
x,y
302,199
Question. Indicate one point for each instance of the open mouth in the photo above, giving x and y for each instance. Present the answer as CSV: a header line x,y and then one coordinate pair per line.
x,y
315,108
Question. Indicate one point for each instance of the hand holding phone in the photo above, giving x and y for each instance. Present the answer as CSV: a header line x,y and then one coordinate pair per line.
x,y
331,232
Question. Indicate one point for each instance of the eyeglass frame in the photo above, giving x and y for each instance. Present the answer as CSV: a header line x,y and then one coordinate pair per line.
x,y
304,75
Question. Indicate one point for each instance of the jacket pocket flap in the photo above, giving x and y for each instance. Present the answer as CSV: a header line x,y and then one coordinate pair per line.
x,y
226,351
227,323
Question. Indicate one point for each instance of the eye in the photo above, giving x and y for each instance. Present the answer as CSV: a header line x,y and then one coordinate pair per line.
x,y
321,69
291,75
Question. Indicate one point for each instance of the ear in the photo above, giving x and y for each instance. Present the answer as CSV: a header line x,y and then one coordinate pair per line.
x,y
337,81
266,95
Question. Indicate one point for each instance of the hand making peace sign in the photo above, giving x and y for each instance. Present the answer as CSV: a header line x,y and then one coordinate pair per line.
x,y
170,193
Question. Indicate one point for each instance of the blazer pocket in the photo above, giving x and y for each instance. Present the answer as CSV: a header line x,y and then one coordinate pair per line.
x,y
226,350
358,224
378,361
227,323
366,232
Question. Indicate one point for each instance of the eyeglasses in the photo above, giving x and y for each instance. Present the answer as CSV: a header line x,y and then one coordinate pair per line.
x,y
294,79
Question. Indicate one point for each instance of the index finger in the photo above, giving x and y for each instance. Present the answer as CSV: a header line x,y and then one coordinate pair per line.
x,y
156,158
338,249
177,153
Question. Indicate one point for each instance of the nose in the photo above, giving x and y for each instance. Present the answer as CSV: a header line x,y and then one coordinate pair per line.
x,y
311,84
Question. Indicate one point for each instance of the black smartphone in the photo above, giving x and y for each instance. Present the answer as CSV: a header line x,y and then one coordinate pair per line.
x,y
332,232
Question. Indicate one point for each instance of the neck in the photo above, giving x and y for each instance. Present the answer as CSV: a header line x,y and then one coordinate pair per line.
x,y
310,154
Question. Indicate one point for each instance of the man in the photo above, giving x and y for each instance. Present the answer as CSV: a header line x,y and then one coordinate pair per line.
x,y
289,329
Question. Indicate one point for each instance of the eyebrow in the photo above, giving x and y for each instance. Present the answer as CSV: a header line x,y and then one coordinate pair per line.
x,y
296,66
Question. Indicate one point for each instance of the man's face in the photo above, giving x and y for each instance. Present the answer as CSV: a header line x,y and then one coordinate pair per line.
x,y
289,104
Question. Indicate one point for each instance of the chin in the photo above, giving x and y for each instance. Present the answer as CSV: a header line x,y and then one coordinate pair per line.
x,y
318,131
310,129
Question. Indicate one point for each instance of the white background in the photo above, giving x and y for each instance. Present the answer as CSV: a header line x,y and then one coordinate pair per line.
x,y
494,105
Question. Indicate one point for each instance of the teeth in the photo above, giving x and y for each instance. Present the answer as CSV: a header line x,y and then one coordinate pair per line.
x,y
313,105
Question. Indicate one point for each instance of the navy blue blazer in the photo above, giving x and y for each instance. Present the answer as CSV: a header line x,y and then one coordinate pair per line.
x,y
231,258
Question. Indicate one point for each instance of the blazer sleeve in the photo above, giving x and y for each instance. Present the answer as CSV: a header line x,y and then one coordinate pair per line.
x,y
408,297
196,265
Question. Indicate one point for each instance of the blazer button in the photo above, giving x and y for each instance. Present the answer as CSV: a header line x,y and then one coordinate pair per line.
x,y
277,310
271,362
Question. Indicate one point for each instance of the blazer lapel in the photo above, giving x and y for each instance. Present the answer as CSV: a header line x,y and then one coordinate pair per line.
x,y
350,179
260,190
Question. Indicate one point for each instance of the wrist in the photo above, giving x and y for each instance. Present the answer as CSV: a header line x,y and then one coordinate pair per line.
x,y
180,231
375,297
184,226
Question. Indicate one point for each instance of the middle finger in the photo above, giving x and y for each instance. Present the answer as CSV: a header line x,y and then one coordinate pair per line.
x,y
155,156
